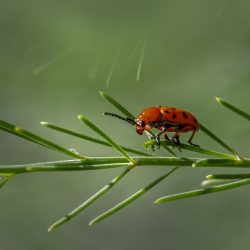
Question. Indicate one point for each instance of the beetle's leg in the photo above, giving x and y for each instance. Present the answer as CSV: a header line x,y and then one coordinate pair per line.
x,y
190,139
167,138
150,138
176,140
170,139
171,128
158,138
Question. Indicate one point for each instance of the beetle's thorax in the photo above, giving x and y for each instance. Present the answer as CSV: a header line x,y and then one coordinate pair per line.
x,y
148,116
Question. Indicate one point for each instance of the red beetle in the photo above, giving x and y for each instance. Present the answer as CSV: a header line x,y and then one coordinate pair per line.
x,y
166,119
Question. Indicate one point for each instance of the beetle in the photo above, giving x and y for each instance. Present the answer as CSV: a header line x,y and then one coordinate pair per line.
x,y
166,119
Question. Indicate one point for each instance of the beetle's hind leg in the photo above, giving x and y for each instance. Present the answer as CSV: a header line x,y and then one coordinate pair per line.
x,y
176,140
191,138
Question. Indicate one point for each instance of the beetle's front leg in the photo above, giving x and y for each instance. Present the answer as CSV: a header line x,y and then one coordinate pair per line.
x,y
158,143
150,137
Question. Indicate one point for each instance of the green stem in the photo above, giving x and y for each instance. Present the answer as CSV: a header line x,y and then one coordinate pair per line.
x,y
194,149
96,163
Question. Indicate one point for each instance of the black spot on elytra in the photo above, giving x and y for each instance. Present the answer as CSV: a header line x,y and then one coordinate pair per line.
x,y
174,116
166,111
185,115
195,120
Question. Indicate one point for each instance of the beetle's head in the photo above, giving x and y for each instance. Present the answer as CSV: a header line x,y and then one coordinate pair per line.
x,y
140,126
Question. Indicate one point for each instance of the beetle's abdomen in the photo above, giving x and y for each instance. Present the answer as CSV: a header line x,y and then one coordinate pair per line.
x,y
179,117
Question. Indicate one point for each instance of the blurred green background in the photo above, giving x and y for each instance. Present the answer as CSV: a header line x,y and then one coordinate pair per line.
x,y
54,58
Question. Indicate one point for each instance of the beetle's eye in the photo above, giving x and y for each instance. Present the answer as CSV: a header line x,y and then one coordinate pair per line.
x,y
141,123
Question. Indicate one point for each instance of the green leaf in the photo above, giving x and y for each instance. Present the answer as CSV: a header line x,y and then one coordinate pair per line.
x,y
107,138
219,141
113,66
88,202
117,105
228,176
138,74
4,178
218,162
203,191
233,108
10,128
131,198
88,138
215,182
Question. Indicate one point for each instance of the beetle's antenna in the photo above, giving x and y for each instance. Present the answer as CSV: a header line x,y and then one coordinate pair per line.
x,y
126,119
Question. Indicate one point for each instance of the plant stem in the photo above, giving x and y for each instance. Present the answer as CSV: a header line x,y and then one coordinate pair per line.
x,y
194,149
96,163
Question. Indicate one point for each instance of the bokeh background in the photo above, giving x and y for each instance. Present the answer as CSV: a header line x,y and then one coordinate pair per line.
x,y
54,58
